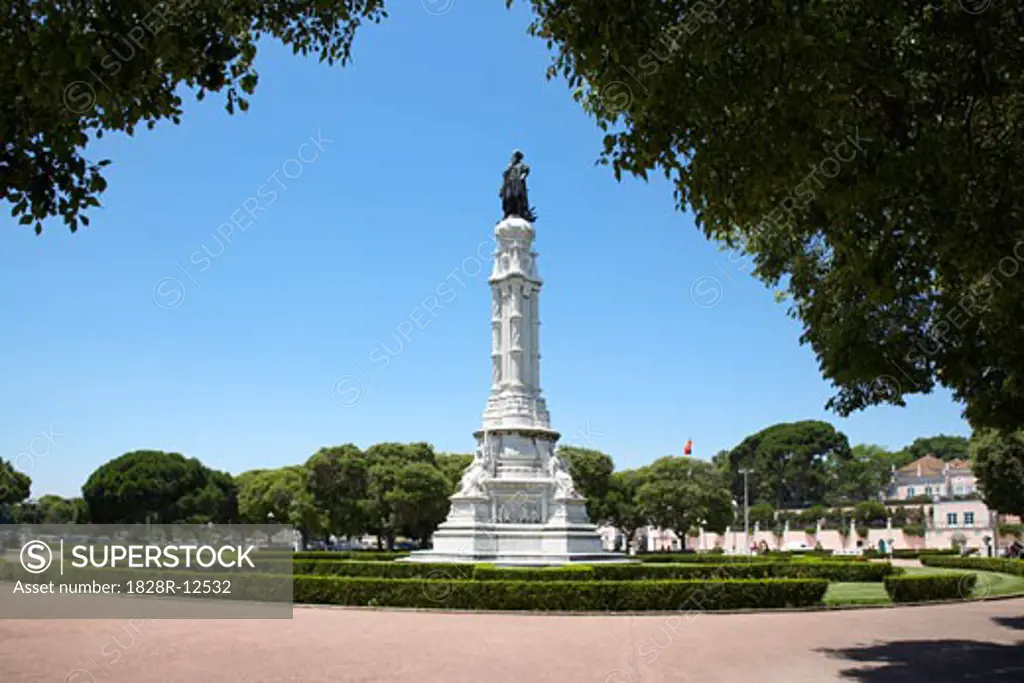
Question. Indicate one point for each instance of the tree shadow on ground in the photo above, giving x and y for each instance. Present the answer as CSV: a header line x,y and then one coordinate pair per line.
x,y
1010,622
903,661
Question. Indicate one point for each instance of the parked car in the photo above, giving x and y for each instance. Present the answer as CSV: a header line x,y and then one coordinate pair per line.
x,y
407,545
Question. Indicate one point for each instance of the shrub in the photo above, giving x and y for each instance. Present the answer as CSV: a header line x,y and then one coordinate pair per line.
x,y
836,571
862,531
628,572
914,530
686,596
382,570
362,555
800,554
811,531
676,558
868,511
830,570
992,564
907,554
928,588
762,514
490,572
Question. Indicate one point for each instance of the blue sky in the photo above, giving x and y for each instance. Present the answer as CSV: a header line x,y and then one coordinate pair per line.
x,y
150,330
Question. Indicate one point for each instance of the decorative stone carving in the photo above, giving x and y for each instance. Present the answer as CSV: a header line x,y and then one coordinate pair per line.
x,y
559,471
472,483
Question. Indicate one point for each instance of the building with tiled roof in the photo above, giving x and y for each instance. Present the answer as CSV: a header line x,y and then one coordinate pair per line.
x,y
932,477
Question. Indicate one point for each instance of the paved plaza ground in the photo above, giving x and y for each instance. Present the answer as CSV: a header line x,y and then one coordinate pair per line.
x,y
978,641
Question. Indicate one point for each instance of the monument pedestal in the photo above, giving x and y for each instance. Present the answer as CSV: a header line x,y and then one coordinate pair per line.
x,y
517,503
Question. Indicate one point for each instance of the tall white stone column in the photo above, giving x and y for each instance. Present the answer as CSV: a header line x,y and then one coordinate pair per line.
x,y
517,503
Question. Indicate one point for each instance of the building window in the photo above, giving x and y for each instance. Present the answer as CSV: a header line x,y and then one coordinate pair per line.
x,y
951,519
927,490
968,519
910,492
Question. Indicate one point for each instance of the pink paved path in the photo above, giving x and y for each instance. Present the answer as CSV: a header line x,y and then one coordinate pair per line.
x,y
978,641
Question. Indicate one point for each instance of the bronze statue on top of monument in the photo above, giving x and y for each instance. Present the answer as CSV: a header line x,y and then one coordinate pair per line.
x,y
514,201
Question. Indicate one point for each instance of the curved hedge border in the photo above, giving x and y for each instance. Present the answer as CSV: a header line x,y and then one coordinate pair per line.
x,y
365,555
905,554
710,558
832,571
929,588
991,564
575,596
383,570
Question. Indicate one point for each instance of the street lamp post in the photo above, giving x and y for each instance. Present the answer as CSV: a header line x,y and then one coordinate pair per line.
x,y
746,512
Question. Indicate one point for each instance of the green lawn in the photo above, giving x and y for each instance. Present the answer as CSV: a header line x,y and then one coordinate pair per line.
x,y
989,584
856,594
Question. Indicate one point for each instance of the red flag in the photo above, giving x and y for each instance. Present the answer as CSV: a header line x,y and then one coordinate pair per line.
x,y
689,447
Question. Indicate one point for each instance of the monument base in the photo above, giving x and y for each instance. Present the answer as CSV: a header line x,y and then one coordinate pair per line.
x,y
469,535
518,545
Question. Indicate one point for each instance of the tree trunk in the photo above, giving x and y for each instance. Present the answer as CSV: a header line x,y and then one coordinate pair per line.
x,y
380,543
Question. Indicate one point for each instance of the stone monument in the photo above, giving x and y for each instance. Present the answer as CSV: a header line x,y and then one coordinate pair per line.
x,y
516,503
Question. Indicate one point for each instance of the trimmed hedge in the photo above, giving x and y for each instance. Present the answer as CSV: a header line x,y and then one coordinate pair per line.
x,y
364,555
490,572
990,564
832,571
907,554
837,571
597,596
626,572
694,558
383,570
928,588
918,554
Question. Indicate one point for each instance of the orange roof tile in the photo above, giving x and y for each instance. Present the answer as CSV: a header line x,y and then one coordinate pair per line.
x,y
929,464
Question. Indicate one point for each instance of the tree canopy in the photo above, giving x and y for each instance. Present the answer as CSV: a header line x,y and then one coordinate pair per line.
x,y
998,463
865,158
791,464
622,506
337,478
281,496
453,465
865,474
160,487
941,446
591,471
14,485
683,494
72,71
